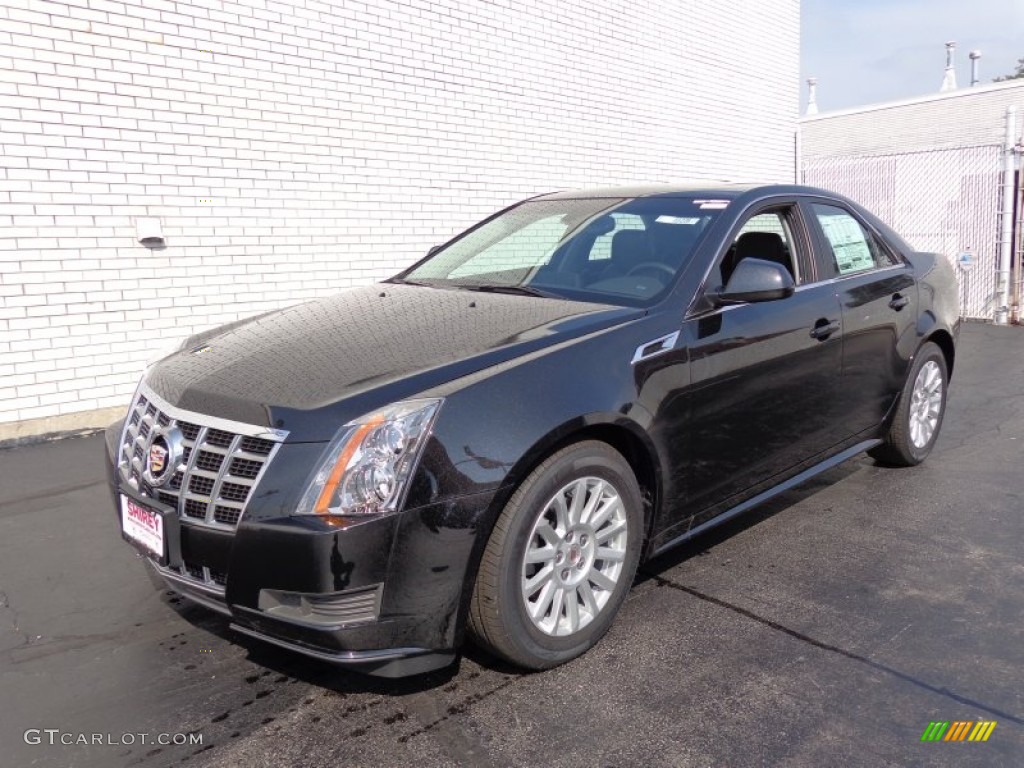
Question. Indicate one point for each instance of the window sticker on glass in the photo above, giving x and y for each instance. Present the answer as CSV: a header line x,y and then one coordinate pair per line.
x,y
667,219
848,243
712,205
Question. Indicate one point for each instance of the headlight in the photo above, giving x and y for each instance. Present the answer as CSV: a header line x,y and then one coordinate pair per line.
x,y
367,466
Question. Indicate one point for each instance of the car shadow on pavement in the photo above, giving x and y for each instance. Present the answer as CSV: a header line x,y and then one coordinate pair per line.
x,y
656,570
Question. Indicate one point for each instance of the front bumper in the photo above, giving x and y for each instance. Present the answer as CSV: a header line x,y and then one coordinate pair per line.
x,y
383,662
385,597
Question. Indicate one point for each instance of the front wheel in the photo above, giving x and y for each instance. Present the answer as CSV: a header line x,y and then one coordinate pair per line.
x,y
561,558
918,418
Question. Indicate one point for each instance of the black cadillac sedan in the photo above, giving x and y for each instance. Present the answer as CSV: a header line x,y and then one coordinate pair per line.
x,y
491,441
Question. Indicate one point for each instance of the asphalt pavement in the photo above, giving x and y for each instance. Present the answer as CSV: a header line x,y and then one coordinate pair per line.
x,y
827,628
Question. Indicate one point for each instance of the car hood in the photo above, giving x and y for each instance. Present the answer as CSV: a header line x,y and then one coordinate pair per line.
x,y
369,346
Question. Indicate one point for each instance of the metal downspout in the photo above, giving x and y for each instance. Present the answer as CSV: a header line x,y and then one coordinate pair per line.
x,y
1017,296
1006,219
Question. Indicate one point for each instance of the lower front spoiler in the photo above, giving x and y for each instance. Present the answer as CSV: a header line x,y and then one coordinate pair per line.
x,y
388,662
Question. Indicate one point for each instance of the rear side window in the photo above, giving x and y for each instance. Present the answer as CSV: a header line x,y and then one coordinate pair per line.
x,y
853,248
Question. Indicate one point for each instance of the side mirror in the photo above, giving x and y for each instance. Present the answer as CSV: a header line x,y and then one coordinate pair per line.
x,y
756,280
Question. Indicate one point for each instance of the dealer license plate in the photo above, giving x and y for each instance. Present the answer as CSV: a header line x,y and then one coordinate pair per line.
x,y
145,527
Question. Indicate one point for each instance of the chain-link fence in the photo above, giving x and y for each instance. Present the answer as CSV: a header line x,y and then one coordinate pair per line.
x,y
941,200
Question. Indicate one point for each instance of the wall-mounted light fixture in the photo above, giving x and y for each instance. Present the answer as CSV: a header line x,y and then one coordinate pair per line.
x,y
150,233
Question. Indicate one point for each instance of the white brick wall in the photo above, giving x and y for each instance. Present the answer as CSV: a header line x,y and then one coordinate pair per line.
x,y
293,148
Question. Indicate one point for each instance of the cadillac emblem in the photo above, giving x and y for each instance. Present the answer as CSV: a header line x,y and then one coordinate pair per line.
x,y
163,452
158,458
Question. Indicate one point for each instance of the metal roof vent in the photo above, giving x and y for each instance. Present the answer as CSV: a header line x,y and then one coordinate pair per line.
x,y
975,55
812,96
949,80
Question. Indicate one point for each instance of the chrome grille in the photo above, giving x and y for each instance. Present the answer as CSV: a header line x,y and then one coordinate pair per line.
x,y
257,445
221,462
195,509
209,462
245,468
226,515
201,485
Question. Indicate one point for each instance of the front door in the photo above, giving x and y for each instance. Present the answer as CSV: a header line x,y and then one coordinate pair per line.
x,y
764,377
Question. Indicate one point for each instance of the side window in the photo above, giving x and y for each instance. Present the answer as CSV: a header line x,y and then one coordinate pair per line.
x,y
764,222
602,247
766,236
853,248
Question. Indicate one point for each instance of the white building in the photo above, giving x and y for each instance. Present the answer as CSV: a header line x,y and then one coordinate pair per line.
x,y
939,169
288,149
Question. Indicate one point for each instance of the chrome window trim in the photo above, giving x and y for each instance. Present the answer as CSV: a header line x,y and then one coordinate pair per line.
x,y
840,278
804,287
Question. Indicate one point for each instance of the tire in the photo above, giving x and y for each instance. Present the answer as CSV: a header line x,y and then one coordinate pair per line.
x,y
918,418
567,541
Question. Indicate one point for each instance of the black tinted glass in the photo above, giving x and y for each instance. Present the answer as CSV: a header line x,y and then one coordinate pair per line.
x,y
609,250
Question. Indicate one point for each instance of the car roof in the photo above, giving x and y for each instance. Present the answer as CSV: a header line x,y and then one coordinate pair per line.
x,y
722,190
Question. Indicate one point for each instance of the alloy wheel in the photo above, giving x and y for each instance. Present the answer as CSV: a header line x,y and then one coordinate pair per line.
x,y
926,404
574,556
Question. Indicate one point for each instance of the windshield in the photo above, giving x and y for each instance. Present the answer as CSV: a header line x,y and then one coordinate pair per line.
x,y
609,250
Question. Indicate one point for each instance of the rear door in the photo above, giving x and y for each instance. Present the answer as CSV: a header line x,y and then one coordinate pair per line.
x,y
878,293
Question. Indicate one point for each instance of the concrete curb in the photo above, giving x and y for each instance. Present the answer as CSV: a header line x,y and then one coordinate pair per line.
x,y
18,433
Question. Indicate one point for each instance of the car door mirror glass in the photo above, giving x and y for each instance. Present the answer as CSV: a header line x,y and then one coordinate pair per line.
x,y
756,280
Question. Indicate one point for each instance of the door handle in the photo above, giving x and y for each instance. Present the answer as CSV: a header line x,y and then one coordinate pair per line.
x,y
824,328
898,302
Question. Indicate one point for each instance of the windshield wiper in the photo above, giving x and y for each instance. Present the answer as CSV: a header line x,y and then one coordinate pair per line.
x,y
519,290
403,281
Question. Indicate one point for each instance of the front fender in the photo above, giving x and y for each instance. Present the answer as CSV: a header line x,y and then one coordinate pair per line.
x,y
496,425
